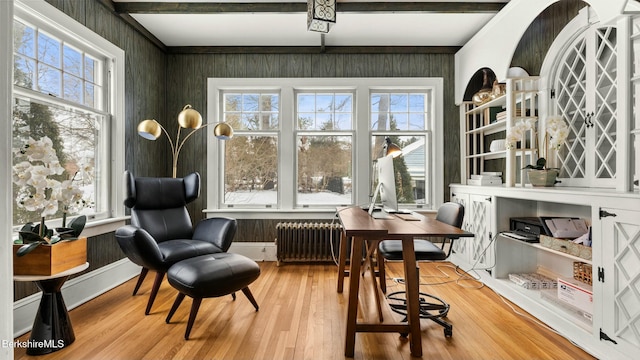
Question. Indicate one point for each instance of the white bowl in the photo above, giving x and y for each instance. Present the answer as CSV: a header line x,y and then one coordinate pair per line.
x,y
498,145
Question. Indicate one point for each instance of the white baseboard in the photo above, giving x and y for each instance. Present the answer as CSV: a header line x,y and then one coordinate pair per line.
x,y
75,291
257,251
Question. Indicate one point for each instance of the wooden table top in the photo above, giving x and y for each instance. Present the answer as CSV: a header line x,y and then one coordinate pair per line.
x,y
358,222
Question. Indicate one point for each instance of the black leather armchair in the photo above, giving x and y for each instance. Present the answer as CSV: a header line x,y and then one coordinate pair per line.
x,y
161,233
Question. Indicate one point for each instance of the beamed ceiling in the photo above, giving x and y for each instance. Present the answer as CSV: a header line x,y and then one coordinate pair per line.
x,y
279,26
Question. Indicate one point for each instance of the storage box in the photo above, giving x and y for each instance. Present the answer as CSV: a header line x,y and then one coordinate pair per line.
x,y
583,272
576,293
566,246
50,259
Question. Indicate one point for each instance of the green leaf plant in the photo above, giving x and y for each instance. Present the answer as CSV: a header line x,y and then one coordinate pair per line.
x,y
31,238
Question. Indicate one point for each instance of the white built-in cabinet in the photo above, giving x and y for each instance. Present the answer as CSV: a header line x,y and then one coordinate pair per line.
x,y
591,77
620,276
612,330
635,91
479,123
477,219
585,91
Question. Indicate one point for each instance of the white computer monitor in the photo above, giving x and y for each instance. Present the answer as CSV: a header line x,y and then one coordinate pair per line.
x,y
386,186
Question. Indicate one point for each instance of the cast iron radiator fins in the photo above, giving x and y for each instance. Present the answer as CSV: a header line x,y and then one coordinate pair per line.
x,y
307,242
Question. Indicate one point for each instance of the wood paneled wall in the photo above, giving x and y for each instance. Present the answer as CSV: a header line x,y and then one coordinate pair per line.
x,y
187,76
535,42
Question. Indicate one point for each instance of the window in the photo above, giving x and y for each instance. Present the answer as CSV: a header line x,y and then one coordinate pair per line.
x,y
404,117
251,156
64,98
310,144
324,138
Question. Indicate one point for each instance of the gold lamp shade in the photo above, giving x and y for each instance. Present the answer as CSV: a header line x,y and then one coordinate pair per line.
x,y
391,148
189,118
223,131
149,129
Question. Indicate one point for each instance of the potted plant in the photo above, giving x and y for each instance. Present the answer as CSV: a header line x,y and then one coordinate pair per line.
x,y
555,134
38,175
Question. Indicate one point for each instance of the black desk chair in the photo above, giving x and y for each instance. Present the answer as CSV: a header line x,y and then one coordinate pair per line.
x,y
161,233
435,308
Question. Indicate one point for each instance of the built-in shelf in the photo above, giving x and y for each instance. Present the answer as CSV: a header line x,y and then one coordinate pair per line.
x,y
499,101
544,248
491,128
480,126
561,308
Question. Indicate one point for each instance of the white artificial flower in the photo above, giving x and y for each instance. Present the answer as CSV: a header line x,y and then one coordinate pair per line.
x,y
38,190
557,130
50,208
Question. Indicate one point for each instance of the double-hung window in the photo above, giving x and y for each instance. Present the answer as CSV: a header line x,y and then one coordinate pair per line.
x,y
64,98
405,117
251,155
324,147
304,145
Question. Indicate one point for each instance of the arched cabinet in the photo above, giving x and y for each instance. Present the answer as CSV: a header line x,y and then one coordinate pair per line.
x,y
589,86
585,94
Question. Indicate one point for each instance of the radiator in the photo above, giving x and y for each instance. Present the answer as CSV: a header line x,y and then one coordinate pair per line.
x,y
307,242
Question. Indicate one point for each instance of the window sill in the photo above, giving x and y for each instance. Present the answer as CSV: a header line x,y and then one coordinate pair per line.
x,y
104,226
95,227
239,213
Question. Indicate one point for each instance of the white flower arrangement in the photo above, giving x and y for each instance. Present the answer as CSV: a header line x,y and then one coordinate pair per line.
x,y
557,131
39,192
556,134
516,133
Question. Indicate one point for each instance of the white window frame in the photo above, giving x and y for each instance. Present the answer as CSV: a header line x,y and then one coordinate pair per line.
x,y
362,132
45,16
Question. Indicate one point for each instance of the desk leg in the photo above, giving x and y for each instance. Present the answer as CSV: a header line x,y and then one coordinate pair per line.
x,y
342,261
354,286
373,245
413,303
52,329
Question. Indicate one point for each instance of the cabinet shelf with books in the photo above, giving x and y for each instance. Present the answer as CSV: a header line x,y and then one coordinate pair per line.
x,y
484,128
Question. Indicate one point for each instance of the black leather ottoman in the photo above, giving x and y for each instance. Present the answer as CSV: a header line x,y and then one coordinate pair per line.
x,y
208,276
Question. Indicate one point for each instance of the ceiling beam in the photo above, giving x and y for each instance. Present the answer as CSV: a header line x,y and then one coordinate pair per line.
x,y
109,4
312,49
297,7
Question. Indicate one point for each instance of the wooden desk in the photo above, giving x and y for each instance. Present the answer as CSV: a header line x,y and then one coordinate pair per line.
x,y
360,227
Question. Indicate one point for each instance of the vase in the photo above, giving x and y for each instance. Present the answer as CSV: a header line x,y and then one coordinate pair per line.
x,y
50,259
543,178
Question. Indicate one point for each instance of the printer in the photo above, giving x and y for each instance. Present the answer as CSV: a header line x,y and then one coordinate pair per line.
x,y
526,228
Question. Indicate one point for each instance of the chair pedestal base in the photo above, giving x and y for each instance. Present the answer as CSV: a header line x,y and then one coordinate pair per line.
x,y
431,307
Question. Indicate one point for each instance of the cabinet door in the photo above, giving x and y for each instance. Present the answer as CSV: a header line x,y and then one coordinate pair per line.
x,y
620,278
586,88
462,245
481,224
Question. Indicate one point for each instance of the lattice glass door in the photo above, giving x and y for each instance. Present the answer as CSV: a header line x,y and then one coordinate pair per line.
x,y
480,221
462,245
605,115
586,96
621,289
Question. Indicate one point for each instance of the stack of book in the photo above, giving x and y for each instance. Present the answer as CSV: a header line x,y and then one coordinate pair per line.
x,y
503,114
486,178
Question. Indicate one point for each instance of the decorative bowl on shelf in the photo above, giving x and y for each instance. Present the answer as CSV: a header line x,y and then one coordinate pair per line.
x,y
499,89
543,178
481,97
498,145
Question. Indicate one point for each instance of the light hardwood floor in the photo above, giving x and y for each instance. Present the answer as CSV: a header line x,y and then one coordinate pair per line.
x,y
301,317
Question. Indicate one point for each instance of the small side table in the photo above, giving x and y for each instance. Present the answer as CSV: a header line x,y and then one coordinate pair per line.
x,y
52,329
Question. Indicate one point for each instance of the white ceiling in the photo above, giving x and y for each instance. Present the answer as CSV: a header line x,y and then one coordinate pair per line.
x,y
289,29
